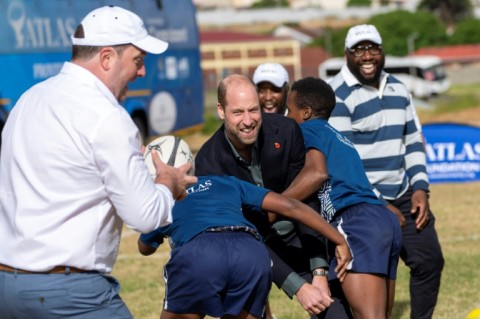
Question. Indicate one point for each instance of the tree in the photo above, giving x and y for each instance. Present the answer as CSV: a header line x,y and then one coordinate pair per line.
x,y
359,3
395,27
449,11
466,31
270,4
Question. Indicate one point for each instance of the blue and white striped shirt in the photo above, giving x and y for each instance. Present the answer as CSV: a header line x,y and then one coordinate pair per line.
x,y
381,125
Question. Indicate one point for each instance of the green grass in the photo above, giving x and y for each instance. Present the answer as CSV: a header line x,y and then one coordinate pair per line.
x,y
456,105
459,97
211,123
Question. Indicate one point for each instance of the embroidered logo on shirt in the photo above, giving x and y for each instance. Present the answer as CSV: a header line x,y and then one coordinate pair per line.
x,y
200,187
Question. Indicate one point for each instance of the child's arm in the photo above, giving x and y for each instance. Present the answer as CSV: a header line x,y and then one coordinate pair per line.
x,y
311,178
148,243
295,209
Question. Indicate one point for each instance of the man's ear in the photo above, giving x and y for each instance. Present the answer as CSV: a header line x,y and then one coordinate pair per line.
x,y
220,111
107,56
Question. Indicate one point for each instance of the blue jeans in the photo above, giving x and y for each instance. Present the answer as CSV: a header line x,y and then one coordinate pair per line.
x,y
74,295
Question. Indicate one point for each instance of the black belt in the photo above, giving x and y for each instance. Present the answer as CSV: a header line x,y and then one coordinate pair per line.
x,y
244,229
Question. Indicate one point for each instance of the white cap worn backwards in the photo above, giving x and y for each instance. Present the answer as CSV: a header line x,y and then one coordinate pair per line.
x,y
362,32
111,25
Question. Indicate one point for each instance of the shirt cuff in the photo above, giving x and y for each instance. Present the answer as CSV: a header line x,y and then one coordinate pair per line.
x,y
292,284
318,262
152,239
168,218
423,185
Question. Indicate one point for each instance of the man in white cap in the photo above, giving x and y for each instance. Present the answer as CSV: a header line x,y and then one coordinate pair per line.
x,y
71,173
374,110
272,83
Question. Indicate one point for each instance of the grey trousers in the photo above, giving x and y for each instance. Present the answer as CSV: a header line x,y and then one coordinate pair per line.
x,y
73,295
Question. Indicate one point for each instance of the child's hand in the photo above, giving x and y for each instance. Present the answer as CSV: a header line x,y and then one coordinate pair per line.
x,y
342,253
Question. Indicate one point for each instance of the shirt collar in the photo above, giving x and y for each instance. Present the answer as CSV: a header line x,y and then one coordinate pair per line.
x,y
351,80
88,78
240,157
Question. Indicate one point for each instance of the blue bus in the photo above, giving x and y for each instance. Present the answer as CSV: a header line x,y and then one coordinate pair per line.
x,y
35,41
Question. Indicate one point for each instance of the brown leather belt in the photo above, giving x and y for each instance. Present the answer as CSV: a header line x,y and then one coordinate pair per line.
x,y
54,270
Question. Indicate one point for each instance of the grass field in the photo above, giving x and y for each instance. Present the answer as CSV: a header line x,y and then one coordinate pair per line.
x,y
456,207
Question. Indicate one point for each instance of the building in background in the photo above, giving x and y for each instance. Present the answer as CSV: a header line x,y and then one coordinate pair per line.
x,y
227,52
304,35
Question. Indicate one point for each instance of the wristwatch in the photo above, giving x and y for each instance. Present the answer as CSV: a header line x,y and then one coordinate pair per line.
x,y
320,272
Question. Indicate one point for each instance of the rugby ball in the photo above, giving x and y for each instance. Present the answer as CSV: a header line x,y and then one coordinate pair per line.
x,y
173,151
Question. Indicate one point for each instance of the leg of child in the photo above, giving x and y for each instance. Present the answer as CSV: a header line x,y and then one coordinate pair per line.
x,y
171,315
243,315
390,297
367,295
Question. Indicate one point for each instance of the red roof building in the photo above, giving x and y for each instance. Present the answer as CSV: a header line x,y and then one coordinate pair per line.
x,y
466,53
227,52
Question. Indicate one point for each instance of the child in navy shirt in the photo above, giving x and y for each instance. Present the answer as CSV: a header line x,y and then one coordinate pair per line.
x,y
219,265
335,171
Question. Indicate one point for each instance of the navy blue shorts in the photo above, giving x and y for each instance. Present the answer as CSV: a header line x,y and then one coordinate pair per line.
x,y
375,238
218,274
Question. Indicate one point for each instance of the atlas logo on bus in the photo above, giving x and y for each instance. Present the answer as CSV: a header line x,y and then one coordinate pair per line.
x,y
38,32
36,42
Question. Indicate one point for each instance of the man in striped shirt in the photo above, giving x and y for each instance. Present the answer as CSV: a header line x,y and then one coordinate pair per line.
x,y
374,110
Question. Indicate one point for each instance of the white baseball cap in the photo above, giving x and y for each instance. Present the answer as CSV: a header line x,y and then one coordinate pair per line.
x,y
362,32
111,25
271,72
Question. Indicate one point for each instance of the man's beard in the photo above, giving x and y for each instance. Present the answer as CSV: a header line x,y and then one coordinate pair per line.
x,y
355,69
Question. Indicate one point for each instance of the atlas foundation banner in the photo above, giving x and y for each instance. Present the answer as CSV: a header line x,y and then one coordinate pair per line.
x,y
453,152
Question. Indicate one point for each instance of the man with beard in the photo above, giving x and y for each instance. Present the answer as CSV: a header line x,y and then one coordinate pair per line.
x,y
268,150
374,110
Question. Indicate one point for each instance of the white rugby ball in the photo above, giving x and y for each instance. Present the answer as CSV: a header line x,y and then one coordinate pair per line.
x,y
173,151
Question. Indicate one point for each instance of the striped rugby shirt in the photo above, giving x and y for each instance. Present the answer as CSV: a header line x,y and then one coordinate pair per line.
x,y
381,125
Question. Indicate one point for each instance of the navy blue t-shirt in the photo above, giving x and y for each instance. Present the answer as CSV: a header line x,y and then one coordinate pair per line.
x,y
347,183
213,201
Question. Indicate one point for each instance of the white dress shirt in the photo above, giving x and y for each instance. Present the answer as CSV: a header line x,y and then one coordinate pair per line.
x,y
71,171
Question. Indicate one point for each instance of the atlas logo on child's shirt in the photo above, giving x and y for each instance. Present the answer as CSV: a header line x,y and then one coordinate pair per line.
x,y
200,187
